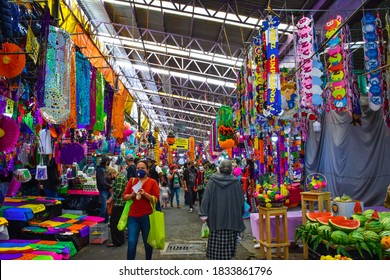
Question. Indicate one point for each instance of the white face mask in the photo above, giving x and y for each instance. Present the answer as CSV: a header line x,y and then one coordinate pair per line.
x,y
201,168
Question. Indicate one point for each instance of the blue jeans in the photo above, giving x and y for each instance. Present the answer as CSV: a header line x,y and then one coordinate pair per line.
x,y
134,226
104,195
177,192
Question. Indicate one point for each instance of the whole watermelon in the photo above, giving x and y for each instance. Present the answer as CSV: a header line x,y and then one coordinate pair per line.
x,y
359,230
386,223
373,225
371,236
368,213
361,218
384,233
355,237
324,231
310,226
339,237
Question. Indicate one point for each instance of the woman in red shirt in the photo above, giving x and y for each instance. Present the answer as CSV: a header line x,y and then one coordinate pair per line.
x,y
140,210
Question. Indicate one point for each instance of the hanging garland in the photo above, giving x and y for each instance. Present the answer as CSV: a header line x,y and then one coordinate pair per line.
x,y
92,101
108,104
371,57
191,148
118,119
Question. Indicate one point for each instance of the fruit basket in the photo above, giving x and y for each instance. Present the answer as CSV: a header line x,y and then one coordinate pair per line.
x,y
315,182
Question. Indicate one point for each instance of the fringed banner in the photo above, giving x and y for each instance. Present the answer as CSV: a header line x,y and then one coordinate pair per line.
x,y
92,101
108,105
72,120
100,89
83,87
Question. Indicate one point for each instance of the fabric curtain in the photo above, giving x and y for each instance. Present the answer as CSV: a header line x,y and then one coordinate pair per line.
x,y
354,159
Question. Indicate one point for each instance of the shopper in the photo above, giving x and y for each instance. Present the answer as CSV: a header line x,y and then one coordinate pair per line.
x,y
130,169
140,210
104,186
175,184
118,187
200,183
189,184
53,182
222,208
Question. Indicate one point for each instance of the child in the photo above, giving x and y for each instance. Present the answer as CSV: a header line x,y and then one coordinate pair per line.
x,y
165,194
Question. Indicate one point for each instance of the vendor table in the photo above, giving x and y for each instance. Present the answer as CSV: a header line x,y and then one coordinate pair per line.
x,y
294,220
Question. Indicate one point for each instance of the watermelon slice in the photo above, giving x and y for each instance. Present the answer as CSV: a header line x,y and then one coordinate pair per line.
x,y
358,208
325,220
312,216
344,224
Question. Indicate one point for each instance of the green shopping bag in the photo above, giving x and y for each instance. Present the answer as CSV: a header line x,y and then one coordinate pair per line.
x,y
125,215
156,237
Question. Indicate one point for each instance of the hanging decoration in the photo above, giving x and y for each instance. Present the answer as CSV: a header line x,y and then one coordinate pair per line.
x,y
32,45
260,78
305,52
157,151
83,85
92,101
371,57
108,105
9,133
118,118
225,127
72,120
382,55
56,104
5,21
12,63
274,100
191,148
171,138
100,89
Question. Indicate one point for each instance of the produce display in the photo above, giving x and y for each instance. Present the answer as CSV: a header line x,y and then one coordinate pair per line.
x,y
367,233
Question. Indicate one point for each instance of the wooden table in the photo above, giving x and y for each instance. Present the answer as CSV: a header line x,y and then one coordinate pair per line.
x,y
266,242
311,197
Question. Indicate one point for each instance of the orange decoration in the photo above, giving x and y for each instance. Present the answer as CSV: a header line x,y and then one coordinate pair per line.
x,y
12,63
118,118
227,144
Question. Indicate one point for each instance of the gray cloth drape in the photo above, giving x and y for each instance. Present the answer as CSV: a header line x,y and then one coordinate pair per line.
x,y
354,159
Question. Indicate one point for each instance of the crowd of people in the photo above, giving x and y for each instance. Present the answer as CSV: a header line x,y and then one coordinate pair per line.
x,y
207,188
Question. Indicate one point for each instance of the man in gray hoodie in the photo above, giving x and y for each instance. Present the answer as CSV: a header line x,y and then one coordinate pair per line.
x,y
223,206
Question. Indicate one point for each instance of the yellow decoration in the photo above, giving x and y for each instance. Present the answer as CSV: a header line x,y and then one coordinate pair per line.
x,y
156,147
191,148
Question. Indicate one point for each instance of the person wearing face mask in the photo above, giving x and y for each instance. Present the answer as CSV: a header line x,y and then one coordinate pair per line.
x,y
138,220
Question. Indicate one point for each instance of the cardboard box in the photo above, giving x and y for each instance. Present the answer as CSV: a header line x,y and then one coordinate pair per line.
x,y
343,208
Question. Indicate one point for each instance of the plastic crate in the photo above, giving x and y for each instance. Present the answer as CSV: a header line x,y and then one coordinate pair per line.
x,y
98,234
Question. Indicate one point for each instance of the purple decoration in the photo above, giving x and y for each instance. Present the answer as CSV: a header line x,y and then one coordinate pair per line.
x,y
108,103
73,152
60,219
84,231
3,104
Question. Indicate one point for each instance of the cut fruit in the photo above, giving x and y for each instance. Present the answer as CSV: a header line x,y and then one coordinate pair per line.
x,y
344,225
325,220
312,216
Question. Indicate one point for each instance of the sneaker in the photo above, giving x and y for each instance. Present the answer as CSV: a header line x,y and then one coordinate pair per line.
x,y
171,205
178,206
191,210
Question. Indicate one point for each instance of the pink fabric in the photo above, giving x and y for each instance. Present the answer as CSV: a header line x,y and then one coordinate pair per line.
x,y
48,253
93,218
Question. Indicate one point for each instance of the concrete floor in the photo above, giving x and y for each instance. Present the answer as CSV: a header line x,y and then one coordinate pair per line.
x,y
181,227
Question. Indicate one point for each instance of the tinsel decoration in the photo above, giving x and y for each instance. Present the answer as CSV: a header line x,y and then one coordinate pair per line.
x,y
92,101
108,104
191,148
156,146
100,89
118,118
83,84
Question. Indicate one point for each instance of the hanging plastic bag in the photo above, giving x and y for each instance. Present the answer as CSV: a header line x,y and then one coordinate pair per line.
x,y
22,175
41,173
204,233
122,224
156,237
